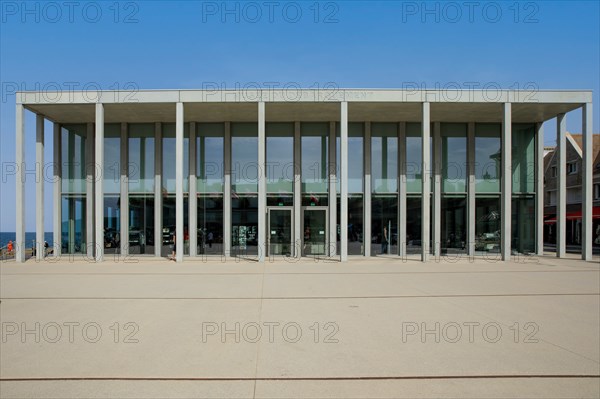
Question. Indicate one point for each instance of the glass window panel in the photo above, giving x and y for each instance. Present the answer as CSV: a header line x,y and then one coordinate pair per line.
x,y
384,157
169,157
209,157
169,237
280,157
355,157
210,225
73,139
523,158
112,224
141,157
73,229
315,153
487,224
244,225
244,157
112,158
384,225
454,225
414,158
355,225
523,224
488,147
141,225
454,157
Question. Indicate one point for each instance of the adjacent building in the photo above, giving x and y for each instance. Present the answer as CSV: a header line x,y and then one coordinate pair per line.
x,y
301,173
574,193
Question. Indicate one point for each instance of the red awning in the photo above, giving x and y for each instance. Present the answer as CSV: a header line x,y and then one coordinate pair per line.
x,y
576,215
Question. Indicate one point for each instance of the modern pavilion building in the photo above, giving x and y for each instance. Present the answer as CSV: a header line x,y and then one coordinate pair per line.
x,y
291,173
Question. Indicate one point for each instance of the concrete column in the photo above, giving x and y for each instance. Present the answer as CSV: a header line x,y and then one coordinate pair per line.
x,y
332,191
587,187
506,182
367,191
94,177
297,191
561,194
179,239
99,187
19,246
57,189
262,184
471,217
437,189
227,191
39,187
124,189
425,183
539,188
344,181
193,198
402,189
158,189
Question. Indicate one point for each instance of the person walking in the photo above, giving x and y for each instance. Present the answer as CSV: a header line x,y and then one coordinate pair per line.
x,y
384,241
9,247
173,246
210,239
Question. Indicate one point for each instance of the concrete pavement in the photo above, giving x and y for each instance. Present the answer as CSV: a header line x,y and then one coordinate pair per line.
x,y
378,327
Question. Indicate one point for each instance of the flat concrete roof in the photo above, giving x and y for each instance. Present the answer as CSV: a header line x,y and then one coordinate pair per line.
x,y
377,105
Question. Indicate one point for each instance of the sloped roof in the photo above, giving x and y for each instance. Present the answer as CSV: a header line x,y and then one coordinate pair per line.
x,y
578,138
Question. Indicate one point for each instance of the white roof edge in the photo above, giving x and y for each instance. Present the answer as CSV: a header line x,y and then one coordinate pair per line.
x,y
305,95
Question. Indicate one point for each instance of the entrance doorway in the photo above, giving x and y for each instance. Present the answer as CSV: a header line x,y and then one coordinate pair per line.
x,y
314,231
280,234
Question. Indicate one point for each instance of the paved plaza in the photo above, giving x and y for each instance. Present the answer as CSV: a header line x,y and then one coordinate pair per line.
x,y
371,327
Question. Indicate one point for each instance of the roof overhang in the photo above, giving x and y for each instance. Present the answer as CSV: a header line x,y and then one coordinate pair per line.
x,y
378,105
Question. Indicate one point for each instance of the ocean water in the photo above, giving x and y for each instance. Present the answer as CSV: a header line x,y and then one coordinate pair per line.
x,y
5,237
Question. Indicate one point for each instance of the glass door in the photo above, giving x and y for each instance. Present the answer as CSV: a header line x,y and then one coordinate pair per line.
x,y
314,231
280,231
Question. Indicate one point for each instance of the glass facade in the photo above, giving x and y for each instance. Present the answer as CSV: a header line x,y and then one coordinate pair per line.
x,y
385,226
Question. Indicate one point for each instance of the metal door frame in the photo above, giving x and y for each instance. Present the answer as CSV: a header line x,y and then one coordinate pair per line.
x,y
280,208
315,208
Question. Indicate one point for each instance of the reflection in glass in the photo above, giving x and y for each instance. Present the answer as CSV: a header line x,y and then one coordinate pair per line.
x,y
280,231
454,225
355,225
244,157
141,225
112,158
413,225
488,147
244,229
280,157
384,214
209,157
384,157
454,157
169,157
210,225
141,157
73,224
487,225
355,157
112,225
314,232
523,158
73,139
523,224
315,153
169,236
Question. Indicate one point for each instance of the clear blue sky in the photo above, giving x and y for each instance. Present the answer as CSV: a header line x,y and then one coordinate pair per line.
x,y
554,45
